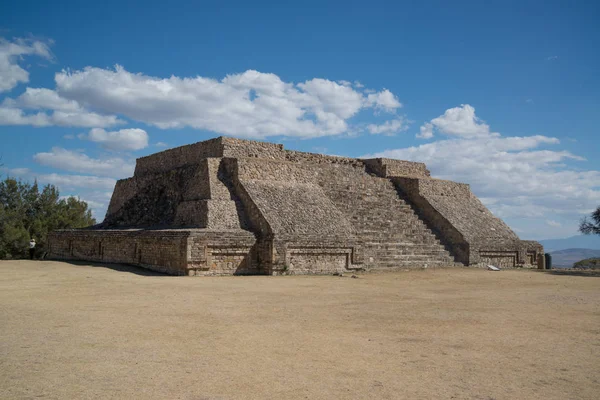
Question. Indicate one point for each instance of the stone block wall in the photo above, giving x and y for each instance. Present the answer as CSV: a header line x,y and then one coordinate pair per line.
x,y
155,200
386,168
178,157
175,252
239,148
222,253
124,190
163,251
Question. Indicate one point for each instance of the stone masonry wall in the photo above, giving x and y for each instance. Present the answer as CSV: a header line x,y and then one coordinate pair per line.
x,y
163,251
175,252
386,168
156,199
222,253
290,199
178,157
235,148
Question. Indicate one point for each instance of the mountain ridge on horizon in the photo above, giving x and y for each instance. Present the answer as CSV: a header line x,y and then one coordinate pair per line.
x,y
591,242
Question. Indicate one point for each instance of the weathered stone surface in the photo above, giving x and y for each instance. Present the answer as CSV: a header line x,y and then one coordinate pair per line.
x,y
231,206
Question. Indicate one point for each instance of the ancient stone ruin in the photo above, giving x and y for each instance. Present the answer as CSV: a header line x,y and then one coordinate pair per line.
x,y
230,206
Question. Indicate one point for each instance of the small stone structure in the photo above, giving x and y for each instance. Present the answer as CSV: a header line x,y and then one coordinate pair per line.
x,y
230,206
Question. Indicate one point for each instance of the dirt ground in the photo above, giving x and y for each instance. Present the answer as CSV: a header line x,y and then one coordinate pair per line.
x,y
80,331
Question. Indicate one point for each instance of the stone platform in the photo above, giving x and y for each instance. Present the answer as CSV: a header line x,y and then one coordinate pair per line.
x,y
230,206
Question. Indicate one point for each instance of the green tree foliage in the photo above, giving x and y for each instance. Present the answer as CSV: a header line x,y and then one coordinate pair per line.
x,y
27,213
589,263
592,225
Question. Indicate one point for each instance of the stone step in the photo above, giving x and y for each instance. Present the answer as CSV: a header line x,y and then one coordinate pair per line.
x,y
377,228
406,238
395,235
424,253
413,264
394,231
404,249
411,257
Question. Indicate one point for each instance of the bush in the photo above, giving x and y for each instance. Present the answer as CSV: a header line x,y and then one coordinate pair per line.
x,y
589,263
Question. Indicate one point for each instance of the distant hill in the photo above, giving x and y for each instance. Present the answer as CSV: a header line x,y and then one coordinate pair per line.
x,y
573,242
566,258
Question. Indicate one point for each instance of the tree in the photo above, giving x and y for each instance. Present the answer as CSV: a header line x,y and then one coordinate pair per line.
x,y
588,227
27,213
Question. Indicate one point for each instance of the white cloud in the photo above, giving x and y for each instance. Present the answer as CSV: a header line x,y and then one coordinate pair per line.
x,y
11,52
37,99
249,104
97,201
553,223
124,139
62,112
384,100
65,182
461,121
16,116
77,181
161,144
19,171
72,161
390,127
517,176
426,131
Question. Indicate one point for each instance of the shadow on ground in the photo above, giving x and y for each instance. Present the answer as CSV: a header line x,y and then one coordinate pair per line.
x,y
118,267
574,272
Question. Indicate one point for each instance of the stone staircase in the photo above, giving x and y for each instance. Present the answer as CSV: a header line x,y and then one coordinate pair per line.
x,y
392,234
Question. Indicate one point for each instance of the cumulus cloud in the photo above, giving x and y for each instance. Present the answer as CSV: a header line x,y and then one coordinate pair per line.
x,y
50,110
458,121
390,127
516,176
124,139
384,100
73,161
16,116
249,104
11,53
65,181
97,201
77,181
37,99
426,131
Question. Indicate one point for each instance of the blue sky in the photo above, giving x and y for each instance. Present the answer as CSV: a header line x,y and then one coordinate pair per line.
x,y
502,95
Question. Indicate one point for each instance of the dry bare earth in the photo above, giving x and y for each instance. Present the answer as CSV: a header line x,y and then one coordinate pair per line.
x,y
91,332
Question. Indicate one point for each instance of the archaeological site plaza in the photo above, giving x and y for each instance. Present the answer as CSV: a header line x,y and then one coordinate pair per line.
x,y
229,207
